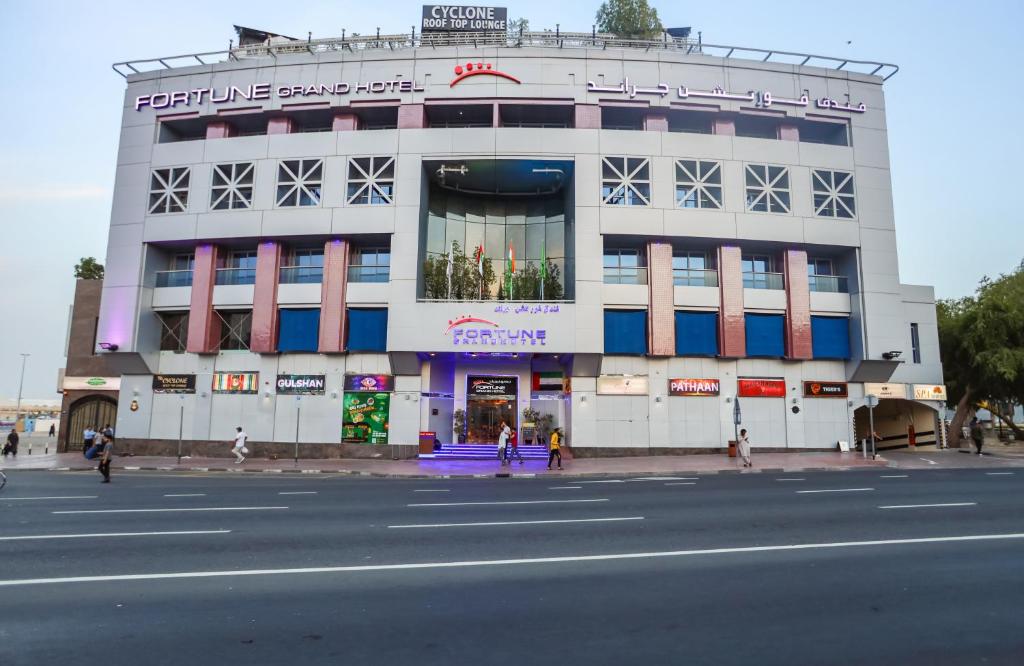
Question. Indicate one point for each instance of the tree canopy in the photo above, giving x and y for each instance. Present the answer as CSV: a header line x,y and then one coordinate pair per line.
x,y
628,18
88,268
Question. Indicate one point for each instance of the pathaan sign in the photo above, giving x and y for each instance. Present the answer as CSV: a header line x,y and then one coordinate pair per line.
x,y
694,387
174,383
825,390
443,18
301,384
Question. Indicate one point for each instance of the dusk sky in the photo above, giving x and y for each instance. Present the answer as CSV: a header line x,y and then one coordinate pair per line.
x,y
954,113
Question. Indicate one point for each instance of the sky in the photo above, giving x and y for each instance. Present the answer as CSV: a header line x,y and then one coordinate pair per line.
x,y
954,119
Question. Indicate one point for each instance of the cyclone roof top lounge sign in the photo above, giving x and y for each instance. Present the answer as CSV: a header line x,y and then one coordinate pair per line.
x,y
449,18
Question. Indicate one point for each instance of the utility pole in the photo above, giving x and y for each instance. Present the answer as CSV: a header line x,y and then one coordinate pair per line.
x,y
21,382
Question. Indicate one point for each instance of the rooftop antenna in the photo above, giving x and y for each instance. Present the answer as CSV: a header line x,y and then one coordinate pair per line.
x,y
309,36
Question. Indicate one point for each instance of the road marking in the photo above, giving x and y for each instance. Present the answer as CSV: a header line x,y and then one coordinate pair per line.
x,y
565,488
930,462
684,483
660,478
520,522
431,490
835,490
187,495
999,473
18,499
894,476
604,481
499,563
926,506
298,492
790,479
573,501
204,508
110,534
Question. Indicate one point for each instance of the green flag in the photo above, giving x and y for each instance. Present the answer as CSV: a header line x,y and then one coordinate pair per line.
x,y
543,268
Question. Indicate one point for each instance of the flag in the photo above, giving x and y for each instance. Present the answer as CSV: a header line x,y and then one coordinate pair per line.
x,y
449,268
480,260
510,269
543,268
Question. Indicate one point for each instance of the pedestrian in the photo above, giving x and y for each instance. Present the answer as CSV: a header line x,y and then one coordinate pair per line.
x,y
514,449
744,447
105,457
53,430
504,432
554,447
87,439
239,448
12,443
977,434
108,431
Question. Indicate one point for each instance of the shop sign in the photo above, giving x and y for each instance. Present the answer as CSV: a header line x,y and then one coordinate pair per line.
x,y
622,385
301,384
369,383
930,392
694,387
761,388
174,383
475,331
449,18
91,384
365,418
492,387
886,390
257,92
826,390
239,383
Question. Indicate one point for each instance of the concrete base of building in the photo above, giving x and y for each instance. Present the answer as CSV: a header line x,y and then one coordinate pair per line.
x,y
266,450
627,451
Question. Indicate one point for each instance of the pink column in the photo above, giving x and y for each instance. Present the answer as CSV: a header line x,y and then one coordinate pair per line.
x,y
332,297
203,323
656,120
798,305
587,116
732,332
345,122
280,125
726,126
264,303
412,116
661,325
220,129
789,132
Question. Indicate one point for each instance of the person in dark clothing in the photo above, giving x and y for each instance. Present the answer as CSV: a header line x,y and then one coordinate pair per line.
x,y
53,430
977,434
108,453
88,438
12,443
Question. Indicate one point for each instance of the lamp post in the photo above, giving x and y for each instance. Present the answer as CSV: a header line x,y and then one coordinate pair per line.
x,y
21,383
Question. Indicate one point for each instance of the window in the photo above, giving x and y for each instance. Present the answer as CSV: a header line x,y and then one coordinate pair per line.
x,y
299,182
833,194
179,273
830,133
757,127
830,337
765,335
693,269
371,180
240,269
698,184
232,186
235,329
306,267
693,122
759,272
767,188
367,329
696,333
915,343
622,118
626,181
624,267
168,190
370,264
183,262
173,331
625,331
822,277
298,330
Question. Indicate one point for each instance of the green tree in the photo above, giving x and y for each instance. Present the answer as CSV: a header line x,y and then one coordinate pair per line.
x,y
88,268
981,339
629,18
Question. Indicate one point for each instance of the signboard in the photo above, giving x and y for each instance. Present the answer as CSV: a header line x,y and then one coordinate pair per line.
x,y
930,392
445,18
492,387
621,385
365,418
174,383
886,390
371,383
91,384
761,388
826,390
239,383
694,387
301,384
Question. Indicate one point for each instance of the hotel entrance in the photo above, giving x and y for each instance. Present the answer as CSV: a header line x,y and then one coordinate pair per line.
x,y
489,401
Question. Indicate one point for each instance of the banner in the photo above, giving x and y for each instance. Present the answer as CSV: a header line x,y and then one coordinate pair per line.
x,y
621,385
174,383
548,381
370,383
446,18
930,392
301,384
826,390
91,384
239,383
761,388
885,390
492,387
694,387
365,418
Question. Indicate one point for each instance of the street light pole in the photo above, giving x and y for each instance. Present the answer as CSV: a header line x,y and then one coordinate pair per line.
x,y
21,382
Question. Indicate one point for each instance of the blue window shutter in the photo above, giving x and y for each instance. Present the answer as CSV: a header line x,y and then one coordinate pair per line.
x,y
298,330
625,331
696,333
765,335
367,329
830,337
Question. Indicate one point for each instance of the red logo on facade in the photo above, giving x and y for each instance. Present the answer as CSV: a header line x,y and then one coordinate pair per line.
x,y
467,319
479,69
761,388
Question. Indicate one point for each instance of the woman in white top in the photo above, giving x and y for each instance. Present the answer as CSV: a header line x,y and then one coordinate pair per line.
x,y
239,447
744,447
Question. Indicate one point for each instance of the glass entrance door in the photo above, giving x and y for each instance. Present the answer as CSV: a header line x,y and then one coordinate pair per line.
x,y
484,416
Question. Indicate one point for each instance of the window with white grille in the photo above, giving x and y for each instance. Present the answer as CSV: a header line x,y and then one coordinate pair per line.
x,y
767,188
168,190
299,182
698,184
833,194
232,184
626,181
371,180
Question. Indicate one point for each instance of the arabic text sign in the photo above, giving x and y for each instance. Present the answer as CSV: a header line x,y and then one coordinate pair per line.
x,y
301,384
825,390
383,383
464,19
761,388
174,383
930,392
694,387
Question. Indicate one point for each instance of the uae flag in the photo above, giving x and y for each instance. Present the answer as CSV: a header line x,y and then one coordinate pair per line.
x,y
547,381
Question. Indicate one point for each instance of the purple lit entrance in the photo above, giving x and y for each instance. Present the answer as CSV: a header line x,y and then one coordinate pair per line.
x,y
489,401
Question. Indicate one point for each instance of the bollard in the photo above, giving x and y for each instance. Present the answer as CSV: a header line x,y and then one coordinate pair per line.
x,y
30,448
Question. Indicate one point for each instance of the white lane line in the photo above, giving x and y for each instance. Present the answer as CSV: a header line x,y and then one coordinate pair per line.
x,y
18,499
110,534
565,488
790,479
999,473
604,481
660,478
298,492
926,506
431,490
520,522
574,501
493,563
930,462
684,483
835,490
187,495
894,476
204,508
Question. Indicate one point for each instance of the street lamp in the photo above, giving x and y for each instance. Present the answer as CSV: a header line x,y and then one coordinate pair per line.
x,y
21,382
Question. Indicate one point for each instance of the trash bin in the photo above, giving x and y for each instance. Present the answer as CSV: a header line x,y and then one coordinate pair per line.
x,y
732,448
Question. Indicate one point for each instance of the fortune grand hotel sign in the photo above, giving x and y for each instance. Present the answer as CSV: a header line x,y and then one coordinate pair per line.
x,y
468,330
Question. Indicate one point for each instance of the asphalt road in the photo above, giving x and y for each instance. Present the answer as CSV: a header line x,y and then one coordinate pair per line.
x,y
788,568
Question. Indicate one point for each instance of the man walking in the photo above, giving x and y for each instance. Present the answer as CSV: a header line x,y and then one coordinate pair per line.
x,y
53,430
977,434
514,451
504,433
555,448
105,457
744,447
239,447
12,443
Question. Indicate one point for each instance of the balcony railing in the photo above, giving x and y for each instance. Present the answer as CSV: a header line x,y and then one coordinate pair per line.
x,y
831,284
174,278
235,276
763,281
369,273
625,275
694,277
302,274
